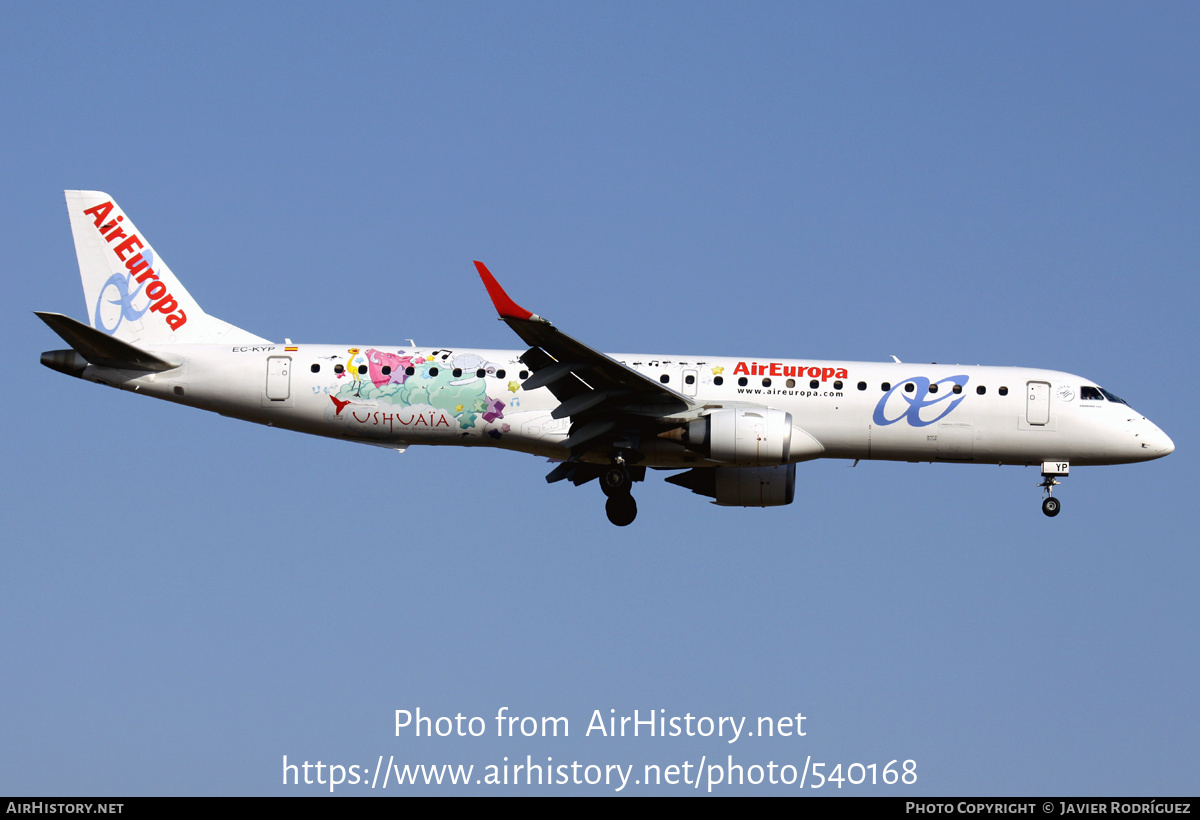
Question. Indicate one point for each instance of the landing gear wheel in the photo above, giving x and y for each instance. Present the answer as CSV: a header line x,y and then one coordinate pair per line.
x,y
621,509
1050,472
615,481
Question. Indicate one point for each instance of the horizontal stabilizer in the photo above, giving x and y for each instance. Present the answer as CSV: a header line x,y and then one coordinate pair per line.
x,y
101,349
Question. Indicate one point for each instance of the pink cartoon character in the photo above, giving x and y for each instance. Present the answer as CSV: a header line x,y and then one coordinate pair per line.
x,y
387,368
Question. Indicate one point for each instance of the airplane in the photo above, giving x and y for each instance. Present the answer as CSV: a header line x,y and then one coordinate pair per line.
x,y
733,428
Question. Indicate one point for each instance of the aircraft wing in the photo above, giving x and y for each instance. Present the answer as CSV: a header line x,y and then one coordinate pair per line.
x,y
610,405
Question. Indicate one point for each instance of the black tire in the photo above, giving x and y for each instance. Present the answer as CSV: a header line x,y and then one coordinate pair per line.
x,y
1051,506
621,509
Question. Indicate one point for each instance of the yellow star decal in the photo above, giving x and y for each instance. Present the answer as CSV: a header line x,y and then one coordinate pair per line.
x,y
458,408
717,371
514,386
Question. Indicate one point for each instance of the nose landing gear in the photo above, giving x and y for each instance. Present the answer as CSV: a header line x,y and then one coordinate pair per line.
x,y
1051,506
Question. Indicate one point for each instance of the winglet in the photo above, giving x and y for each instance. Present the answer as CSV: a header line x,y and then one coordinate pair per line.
x,y
506,307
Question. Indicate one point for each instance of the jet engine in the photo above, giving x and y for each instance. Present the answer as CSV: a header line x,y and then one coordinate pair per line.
x,y
742,486
747,437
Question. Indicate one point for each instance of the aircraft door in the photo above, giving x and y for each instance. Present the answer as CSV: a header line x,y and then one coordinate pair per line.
x,y
1037,402
279,379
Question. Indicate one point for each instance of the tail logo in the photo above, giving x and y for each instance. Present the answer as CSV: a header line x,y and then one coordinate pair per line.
x,y
119,283
140,270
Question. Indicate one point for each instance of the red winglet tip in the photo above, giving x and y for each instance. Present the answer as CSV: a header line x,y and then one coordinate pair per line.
x,y
506,307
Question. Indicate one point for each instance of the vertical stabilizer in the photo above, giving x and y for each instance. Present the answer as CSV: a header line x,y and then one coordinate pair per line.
x,y
130,292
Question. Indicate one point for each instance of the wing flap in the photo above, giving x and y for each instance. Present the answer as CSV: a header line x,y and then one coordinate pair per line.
x,y
551,373
581,404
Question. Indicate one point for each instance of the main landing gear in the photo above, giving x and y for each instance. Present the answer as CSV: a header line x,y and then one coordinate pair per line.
x,y
616,483
1051,506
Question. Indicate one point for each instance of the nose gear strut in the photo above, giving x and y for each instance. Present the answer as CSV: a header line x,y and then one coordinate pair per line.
x,y
1050,472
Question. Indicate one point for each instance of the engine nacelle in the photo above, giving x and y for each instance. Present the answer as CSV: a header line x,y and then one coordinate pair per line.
x,y
749,437
742,486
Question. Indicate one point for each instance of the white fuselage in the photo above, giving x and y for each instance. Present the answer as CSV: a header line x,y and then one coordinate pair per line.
x,y
399,396
602,417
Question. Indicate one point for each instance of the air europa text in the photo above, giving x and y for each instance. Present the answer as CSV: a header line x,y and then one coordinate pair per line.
x,y
780,369
160,300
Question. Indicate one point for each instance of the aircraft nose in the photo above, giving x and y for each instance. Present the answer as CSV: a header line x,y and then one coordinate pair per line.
x,y
1165,445
1157,442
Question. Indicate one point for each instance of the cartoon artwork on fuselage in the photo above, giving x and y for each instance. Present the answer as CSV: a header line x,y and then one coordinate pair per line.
x,y
450,385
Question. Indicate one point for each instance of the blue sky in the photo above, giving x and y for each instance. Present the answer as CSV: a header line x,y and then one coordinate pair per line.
x,y
185,599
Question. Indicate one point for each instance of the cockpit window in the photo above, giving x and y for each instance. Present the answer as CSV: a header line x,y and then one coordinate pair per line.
x,y
1113,397
1090,394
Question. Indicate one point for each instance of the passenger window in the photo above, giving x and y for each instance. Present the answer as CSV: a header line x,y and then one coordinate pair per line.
x,y
718,380
742,381
814,384
933,388
886,386
433,371
689,379
1003,391
791,383
909,387
316,368
957,389
457,372
766,382
408,371
664,378
524,374
499,374
386,370
337,368
862,385
837,385
362,370
480,373
981,389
